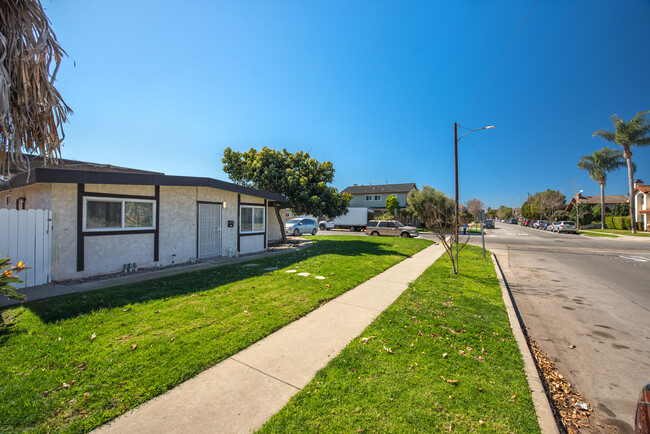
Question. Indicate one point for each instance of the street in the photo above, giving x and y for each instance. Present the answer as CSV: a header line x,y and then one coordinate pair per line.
x,y
586,302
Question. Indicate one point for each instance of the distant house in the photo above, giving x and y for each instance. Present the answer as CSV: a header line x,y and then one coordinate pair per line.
x,y
642,203
104,217
610,201
374,196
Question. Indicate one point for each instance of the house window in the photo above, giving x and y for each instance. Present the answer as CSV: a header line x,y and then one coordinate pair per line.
x,y
369,197
251,219
7,200
101,214
378,197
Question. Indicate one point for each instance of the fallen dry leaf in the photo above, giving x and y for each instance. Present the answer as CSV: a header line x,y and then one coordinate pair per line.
x,y
134,346
92,338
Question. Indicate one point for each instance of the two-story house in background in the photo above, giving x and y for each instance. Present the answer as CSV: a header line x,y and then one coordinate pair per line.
x,y
374,196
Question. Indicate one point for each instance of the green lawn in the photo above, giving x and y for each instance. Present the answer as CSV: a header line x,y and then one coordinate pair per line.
x,y
76,362
620,232
597,234
441,358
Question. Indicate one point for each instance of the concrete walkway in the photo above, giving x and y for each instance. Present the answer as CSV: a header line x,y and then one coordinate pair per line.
x,y
241,393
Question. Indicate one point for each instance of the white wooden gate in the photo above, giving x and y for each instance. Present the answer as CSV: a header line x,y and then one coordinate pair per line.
x,y
26,235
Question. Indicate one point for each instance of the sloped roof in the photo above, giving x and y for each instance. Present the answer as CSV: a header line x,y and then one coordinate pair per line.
x,y
593,200
79,172
643,188
381,188
38,162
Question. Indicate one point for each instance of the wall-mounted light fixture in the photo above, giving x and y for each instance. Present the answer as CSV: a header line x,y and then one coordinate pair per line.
x,y
224,205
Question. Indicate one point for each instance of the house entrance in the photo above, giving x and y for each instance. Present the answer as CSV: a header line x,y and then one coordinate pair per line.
x,y
209,229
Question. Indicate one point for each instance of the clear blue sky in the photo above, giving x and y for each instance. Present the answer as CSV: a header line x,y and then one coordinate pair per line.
x,y
373,86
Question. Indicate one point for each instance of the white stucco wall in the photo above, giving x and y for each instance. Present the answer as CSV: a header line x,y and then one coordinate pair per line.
x,y
178,220
37,196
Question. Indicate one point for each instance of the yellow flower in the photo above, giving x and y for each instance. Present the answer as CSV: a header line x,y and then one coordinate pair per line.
x,y
20,266
7,273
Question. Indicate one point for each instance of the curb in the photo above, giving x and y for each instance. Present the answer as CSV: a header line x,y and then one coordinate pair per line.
x,y
545,417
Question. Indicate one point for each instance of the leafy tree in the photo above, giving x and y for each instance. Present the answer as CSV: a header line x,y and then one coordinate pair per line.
x,y
598,165
437,211
392,205
491,213
300,178
529,209
504,212
32,111
474,207
581,214
633,134
621,210
547,203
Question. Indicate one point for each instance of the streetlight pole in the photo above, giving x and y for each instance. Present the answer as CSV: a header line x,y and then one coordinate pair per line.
x,y
456,140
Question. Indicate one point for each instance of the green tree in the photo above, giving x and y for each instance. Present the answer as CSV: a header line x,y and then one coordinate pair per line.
x,y
32,111
300,178
491,213
628,135
529,210
598,165
437,211
392,205
504,212
547,203
621,210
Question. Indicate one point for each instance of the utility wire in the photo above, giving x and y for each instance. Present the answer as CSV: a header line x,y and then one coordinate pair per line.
x,y
499,62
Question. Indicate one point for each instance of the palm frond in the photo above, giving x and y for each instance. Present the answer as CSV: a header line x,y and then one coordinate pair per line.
x,y
32,112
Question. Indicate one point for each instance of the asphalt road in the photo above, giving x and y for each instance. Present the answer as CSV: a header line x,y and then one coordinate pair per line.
x,y
589,292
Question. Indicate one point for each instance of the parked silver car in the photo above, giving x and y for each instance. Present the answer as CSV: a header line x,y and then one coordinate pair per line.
x,y
300,226
391,228
566,226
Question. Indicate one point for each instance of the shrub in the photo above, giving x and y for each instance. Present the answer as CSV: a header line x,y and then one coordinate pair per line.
x,y
609,222
623,223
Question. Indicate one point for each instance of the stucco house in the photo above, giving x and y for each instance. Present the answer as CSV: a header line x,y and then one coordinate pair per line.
x,y
105,216
374,196
610,201
642,203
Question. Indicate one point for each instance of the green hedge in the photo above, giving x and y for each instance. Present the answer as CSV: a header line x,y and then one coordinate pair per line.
x,y
609,222
639,226
623,223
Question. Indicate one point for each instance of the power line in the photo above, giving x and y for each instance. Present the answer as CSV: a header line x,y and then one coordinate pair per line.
x,y
499,62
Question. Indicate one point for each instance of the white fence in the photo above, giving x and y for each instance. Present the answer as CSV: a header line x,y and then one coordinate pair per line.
x,y
26,235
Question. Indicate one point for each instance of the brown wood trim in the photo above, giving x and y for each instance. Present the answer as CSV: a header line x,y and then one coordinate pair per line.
x,y
80,232
124,196
156,234
237,223
266,222
251,204
123,232
251,234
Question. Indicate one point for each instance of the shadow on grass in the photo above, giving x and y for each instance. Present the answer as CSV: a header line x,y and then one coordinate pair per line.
x,y
195,282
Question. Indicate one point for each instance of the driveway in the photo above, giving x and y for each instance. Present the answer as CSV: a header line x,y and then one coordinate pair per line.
x,y
591,293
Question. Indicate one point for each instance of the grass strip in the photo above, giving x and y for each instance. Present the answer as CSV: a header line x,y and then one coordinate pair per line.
x,y
441,358
620,232
75,362
597,234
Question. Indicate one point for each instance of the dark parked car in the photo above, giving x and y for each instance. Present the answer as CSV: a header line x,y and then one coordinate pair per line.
x,y
488,224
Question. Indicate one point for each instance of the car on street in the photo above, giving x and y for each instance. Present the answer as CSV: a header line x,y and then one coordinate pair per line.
x,y
390,228
299,226
488,224
513,221
566,226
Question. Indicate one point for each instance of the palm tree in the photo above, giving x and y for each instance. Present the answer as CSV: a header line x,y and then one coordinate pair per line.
x,y
635,133
32,111
598,164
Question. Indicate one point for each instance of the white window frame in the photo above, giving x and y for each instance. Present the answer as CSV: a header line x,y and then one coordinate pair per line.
x,y
252,231
368,196
378,197
121,200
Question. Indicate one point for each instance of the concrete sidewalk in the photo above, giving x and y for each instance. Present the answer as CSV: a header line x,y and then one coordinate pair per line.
x,y
241,393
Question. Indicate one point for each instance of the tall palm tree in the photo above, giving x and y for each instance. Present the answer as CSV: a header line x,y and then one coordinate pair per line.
x,y
598,164
32,111
633,134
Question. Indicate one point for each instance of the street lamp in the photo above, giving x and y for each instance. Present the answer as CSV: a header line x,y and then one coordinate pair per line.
x,y
456,140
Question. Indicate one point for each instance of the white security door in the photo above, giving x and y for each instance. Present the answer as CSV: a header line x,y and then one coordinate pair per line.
x,y
209,229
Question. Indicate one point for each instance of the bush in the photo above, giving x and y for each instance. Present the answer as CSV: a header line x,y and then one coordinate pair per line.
x,y
623,223
639,226
609,222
